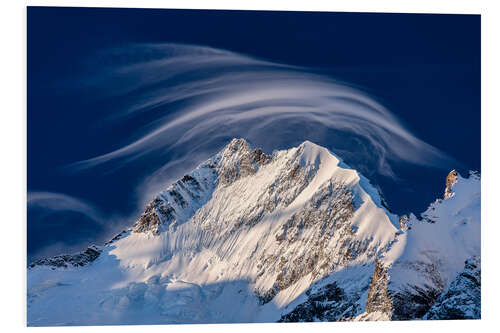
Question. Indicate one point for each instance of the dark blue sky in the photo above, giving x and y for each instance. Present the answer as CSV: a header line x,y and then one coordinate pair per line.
x,y
423,68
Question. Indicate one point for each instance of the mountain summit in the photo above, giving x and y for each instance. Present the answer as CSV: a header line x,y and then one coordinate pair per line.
x,y
249,237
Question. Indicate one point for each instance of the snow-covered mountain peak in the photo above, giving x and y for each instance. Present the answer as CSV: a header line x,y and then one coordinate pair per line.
x,y
313,154
238,160
276,234
280,221
309,165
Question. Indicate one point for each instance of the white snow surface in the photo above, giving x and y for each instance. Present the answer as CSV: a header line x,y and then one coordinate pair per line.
x,y
206,267
435,249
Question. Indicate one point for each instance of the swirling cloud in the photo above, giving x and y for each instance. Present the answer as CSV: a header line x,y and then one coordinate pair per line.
x,y
181,104
197,98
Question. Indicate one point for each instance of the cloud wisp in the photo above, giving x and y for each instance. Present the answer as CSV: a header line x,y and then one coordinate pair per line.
x,y
56,202
60,223
197,98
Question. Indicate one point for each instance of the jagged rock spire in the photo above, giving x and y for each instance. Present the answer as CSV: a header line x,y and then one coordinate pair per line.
x,y
451,179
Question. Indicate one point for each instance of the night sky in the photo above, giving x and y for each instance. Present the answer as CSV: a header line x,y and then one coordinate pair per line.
x,y
425,69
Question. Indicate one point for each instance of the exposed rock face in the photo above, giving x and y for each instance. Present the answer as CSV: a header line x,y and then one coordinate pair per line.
x,y
277,194
462,299
330,303
149,220
122,234
178,203
404,223
451,179
324,218
407,303
413,302
70,260
379,299
238,161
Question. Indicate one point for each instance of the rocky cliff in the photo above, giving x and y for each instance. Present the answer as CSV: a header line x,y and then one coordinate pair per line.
x,y
462,298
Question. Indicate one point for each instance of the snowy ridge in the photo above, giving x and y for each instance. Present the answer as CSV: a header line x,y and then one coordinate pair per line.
x,y
429,254
292,236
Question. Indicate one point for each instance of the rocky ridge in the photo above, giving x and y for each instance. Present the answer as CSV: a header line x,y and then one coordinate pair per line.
x,y
70,260
448,233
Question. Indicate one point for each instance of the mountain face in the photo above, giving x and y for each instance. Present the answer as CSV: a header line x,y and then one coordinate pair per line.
x,y
292,236
462,298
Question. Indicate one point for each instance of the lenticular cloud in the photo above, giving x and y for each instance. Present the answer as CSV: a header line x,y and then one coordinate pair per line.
x,y
197,98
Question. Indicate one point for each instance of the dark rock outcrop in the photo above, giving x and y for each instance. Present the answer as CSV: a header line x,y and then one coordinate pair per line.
x,y
451,179
413,302
117,237
462,299
239,161
150,219
70,260
379,299
329,303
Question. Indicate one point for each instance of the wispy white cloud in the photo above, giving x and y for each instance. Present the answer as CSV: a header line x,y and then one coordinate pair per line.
x,y
206,96
44,213
52,202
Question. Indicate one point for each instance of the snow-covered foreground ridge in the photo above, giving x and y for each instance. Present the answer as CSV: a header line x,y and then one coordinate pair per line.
x,y
292,236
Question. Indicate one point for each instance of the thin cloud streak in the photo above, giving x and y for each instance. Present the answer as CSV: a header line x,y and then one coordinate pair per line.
x,y
200,97
44,213
55,202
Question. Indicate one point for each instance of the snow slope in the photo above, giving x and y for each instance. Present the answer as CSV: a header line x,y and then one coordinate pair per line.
x,y
248,237
240,228
447,236
429,253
